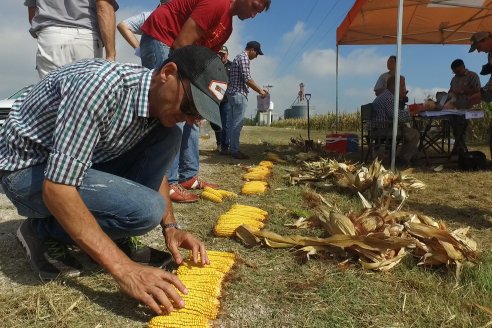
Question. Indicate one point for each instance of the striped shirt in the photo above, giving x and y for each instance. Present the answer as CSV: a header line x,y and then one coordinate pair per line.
x,y
239,75
135,22
383,107
88,112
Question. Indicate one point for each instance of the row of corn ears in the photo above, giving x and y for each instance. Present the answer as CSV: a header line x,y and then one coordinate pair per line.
x,y
204,283
255,182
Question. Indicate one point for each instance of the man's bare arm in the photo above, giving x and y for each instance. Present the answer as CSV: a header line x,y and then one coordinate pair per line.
x,y
149,285
107,26
190,33
31,11
128,35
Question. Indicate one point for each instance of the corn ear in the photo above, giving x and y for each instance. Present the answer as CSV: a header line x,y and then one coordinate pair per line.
x,y
208,195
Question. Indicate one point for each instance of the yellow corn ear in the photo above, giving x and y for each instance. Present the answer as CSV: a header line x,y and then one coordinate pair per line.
x,y
249,208
213,191
268,164
179,320
226,193
208,195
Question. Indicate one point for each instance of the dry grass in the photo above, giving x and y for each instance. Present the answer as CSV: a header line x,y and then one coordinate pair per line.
x,y
276,288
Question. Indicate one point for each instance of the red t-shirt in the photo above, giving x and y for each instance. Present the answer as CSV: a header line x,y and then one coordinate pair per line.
x,y
165,23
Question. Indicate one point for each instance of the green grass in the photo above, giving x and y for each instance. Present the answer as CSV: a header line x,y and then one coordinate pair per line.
x,y
279,288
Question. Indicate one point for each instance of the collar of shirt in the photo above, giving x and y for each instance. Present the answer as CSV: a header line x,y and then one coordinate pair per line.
x,y
142,103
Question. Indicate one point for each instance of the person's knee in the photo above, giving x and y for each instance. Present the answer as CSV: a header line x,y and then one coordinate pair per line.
x,y
149,214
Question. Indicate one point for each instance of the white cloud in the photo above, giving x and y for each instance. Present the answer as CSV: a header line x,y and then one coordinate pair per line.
x,y
297,34
419,95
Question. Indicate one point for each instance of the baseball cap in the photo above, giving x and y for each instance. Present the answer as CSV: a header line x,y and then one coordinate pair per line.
x,y
224,50
254,45
476,38
207,76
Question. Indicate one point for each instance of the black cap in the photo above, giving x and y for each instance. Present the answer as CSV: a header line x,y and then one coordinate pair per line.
x,y
486,69
254,45
207,76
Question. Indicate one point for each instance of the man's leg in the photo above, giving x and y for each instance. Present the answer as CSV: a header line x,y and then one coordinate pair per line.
x,y
189,153
225,112
189,160
122,207
218,134
409,148
152,52
239,103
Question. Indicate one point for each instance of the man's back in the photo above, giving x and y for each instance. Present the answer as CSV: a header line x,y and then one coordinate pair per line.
x,y
73,13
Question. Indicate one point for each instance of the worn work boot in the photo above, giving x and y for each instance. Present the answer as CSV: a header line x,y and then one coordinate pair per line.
x,y
178,194
197,183
138,252
49,258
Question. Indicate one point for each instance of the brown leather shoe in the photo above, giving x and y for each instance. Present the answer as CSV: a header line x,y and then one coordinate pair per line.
x,y
178,194
197,183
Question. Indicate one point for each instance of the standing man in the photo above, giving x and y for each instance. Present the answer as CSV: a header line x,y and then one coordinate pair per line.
x,y
463,86
132,26
83,154
482,42
237,94
221,134
383,79
67,31
172,26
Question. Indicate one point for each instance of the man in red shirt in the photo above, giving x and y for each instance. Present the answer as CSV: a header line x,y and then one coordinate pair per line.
x,y
174,25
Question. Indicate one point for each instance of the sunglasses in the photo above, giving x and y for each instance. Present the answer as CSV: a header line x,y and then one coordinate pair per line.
x,y
188,107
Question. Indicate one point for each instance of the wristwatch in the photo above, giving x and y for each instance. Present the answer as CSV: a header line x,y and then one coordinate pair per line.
x,y
170,225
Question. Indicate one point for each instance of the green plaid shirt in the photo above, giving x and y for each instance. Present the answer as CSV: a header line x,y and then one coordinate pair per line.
x,y
88,112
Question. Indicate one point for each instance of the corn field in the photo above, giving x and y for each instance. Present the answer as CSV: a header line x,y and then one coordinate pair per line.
x,y
478,130
347,122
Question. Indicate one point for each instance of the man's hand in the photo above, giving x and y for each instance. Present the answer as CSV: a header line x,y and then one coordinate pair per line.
x,y
264,93
153,286
176,238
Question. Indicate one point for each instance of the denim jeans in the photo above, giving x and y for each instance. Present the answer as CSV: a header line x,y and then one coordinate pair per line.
x,y
186,164
235,120
122,194
225,134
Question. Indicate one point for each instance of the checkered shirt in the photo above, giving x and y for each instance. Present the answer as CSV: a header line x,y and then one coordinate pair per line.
x,y
239,75
88,112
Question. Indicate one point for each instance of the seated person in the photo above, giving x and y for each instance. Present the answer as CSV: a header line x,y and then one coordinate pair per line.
x,y
463,86
383,107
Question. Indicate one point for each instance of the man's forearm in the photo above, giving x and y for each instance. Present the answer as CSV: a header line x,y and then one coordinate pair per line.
x,y
128,35
164,189
66,205
252,84
107,26
31,12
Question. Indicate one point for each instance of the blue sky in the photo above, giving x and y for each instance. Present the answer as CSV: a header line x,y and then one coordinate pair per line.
x,y
298,39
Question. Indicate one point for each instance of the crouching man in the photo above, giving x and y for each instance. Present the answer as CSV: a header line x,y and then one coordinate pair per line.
x,y
83,155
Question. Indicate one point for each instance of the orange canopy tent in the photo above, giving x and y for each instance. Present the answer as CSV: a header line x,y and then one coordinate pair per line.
x,y
424,22
372,22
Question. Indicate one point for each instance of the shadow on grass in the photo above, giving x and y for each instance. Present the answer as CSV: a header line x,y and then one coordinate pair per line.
x,y
472,216
113,301
14,266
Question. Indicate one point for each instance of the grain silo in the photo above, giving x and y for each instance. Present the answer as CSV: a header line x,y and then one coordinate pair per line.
x,y
298,109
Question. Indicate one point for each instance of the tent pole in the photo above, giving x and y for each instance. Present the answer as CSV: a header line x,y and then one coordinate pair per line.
x,y
397,83
336,95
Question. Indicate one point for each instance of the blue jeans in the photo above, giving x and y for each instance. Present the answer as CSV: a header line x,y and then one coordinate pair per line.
x,y
239,104
186,164
225,134
122,194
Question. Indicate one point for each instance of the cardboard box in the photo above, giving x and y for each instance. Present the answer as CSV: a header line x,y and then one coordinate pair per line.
x,y
342,143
